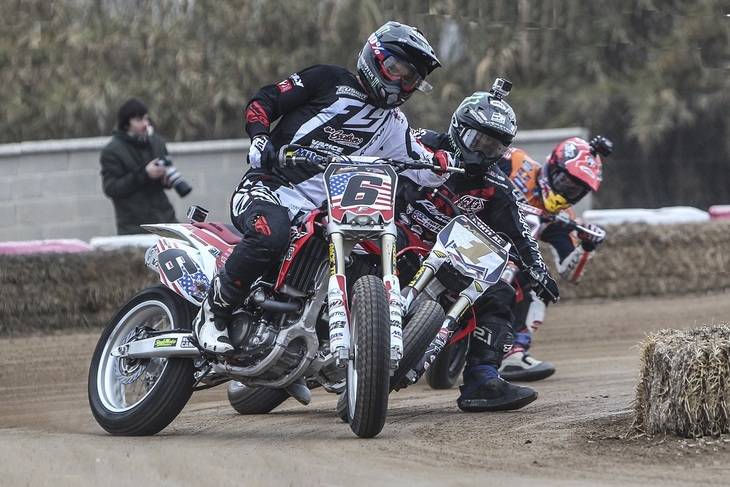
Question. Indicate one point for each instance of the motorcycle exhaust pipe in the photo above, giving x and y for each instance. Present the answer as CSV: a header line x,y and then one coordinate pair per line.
x,y
273,305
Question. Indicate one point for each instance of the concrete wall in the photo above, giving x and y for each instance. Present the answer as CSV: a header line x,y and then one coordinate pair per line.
x,y
52,189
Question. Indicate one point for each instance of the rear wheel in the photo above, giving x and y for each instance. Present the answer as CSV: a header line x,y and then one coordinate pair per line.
x,y
445,370
255,400
368,370
137,397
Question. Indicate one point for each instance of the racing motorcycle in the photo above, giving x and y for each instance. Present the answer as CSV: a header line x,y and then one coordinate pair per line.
x,y
467,252
301,324
445,370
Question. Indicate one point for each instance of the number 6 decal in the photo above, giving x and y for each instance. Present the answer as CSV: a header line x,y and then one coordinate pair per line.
x,y
360,191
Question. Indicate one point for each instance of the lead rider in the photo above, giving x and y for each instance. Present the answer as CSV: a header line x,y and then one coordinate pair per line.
x,y
331,109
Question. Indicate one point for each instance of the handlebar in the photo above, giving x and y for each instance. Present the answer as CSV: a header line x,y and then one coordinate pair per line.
x,y
291,155
560,218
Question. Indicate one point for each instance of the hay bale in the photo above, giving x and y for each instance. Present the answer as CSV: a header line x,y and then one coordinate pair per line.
x,y
43,292
684,387
651,260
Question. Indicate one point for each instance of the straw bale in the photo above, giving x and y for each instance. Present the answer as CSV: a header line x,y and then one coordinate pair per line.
x,y
644,260
684,385
57,291
54,291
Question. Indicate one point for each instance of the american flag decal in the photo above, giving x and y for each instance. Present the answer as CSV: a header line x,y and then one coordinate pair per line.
x,y
360,191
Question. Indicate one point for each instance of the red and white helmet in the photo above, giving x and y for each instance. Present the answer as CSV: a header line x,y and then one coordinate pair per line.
x,y
572,171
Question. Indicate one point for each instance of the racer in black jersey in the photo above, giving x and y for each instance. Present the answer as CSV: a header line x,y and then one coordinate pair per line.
x,y
481,130
331,109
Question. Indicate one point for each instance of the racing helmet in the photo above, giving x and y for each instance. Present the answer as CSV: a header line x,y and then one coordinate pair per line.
x,y
394,63
573,169
483,127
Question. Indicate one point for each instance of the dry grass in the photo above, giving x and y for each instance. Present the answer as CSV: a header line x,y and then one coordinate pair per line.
x,y
646,260
55,291
45,292
685,383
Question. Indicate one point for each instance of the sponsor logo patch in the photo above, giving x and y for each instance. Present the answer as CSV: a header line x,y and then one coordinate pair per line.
x,y
284,86
165,342
296,80
333,149
343,138
470,204
350,91
498,117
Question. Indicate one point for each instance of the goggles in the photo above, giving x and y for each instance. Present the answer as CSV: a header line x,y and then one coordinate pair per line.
x,y
398,70
488,146
567,186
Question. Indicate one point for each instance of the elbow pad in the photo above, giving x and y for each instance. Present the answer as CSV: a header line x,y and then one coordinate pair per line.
x,y
571,268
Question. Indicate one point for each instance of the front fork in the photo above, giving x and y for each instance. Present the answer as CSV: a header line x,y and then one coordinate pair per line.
x,y
424,278
339,312
395,302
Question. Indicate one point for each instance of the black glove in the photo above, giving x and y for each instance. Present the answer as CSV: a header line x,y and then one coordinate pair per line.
x,y
262,154
589,241
601,145
543,284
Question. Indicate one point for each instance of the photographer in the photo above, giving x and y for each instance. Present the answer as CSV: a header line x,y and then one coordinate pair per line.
x,y
135,171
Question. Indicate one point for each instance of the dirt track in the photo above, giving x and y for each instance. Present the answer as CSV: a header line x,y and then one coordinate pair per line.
x,y
570,436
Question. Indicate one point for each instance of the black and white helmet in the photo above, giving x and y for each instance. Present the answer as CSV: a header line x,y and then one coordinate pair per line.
x,y
394,63
483,127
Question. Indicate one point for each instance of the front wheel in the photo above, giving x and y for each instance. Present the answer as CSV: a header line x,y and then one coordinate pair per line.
x,y
444,371
138,397
368,370
421,328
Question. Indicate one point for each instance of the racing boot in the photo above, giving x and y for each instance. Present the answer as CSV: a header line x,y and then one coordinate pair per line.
x,y
484,390
211,324
519,365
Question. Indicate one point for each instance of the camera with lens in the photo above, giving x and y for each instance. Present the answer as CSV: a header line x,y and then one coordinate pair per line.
x,y
174,178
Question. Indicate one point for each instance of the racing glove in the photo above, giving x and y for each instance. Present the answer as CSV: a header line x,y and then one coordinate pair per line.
x,y
590,241
262,154
444,160
543,284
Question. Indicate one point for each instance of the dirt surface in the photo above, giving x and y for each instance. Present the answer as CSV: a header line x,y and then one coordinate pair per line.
x,y
572,435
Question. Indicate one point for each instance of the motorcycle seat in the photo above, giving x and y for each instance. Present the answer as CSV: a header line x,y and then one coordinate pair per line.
x,y
228,233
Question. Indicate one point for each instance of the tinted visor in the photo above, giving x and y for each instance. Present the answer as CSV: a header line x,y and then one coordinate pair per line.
x,y
566,185
398,70
491,148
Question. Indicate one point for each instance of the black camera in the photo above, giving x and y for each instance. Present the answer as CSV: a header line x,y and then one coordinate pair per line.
x,y
174,178
601,145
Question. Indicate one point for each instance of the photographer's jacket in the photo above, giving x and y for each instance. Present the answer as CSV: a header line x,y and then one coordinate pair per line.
x,y
137,198
324,107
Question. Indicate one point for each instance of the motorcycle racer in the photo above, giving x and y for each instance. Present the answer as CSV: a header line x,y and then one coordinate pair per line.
x,y
482,128
330,109
573,170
